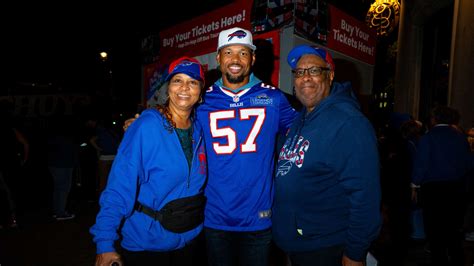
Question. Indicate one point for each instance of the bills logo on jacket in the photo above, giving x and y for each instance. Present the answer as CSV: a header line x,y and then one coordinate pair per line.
x,y
202,161
293,153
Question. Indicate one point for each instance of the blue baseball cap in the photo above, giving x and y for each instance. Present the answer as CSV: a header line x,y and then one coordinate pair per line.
x,y
188,66
296,53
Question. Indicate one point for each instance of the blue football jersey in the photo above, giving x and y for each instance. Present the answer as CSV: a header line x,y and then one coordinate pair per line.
x,y
240,131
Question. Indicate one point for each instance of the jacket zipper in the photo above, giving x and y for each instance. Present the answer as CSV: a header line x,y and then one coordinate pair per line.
x,y
194,157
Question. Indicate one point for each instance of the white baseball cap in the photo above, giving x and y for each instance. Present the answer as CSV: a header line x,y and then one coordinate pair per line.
x,y
235,36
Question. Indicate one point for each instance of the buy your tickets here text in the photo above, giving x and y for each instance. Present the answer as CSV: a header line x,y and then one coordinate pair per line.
x,y
198,33
355,33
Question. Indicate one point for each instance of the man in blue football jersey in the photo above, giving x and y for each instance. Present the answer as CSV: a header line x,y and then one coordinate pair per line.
x,y
242,117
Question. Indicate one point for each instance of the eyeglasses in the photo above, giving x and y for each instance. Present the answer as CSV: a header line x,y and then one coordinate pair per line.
x,y
312,71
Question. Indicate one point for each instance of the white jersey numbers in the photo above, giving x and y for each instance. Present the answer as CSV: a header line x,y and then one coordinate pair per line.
x,y
249,144
227,132
230,133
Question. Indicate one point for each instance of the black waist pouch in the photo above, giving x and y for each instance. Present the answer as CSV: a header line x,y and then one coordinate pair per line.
x,y
179,215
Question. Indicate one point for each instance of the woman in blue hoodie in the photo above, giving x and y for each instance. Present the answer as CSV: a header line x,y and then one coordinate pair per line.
x,y
153,200
327,193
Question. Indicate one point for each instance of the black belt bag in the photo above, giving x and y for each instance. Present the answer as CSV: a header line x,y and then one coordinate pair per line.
x,y
179,215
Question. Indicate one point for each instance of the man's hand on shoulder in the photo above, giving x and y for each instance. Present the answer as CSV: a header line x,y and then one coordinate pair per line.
x,y
129,121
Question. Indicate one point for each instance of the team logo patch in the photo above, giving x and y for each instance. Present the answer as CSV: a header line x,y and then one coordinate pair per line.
x,y
202,161
284,168
261,99
238,34
236,99
292,154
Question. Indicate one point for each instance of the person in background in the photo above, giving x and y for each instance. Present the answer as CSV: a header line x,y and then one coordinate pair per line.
x,y
153,200
411,132
469,217
105,141
11,161
63,158
327,187
442,163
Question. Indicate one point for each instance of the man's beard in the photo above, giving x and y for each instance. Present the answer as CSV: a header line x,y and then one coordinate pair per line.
x,y
234,80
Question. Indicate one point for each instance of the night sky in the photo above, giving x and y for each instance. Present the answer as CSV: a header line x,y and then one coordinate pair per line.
x,y
57,47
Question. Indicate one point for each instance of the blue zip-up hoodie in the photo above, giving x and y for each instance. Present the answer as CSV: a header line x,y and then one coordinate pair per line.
x,y
327,187
150,167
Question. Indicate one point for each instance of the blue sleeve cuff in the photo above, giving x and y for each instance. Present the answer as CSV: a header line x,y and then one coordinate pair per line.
x,y
105,246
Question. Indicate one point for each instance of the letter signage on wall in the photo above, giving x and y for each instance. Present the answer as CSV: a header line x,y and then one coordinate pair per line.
x,y
351,37
199,36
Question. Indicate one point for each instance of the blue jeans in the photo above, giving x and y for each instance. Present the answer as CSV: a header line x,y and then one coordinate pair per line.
x,y
228,248
62,178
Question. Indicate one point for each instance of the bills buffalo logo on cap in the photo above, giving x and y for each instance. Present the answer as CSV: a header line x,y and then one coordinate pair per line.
x,y
235,36
239,34
188,66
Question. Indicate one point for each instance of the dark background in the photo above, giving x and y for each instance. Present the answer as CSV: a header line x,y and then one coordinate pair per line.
x,y
56,48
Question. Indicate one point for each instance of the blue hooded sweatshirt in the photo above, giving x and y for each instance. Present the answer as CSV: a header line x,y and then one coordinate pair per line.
x,y
327,187
150,167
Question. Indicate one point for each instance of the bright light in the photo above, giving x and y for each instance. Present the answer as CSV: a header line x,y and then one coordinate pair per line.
x,y
383,15
103,56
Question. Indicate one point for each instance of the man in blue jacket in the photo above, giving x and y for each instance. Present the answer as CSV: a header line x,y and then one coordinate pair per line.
x,y
327,198
442,163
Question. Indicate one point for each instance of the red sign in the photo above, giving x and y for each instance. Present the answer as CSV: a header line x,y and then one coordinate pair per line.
x,y
199,36
351,37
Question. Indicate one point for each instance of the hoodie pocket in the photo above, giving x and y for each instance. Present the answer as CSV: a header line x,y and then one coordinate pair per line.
x,y
323,225
306,227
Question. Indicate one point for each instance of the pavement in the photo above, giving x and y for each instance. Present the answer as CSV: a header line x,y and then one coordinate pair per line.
x,y
41,240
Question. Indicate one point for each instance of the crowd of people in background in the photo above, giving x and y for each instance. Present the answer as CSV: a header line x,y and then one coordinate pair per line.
x,y
44,168
427,175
